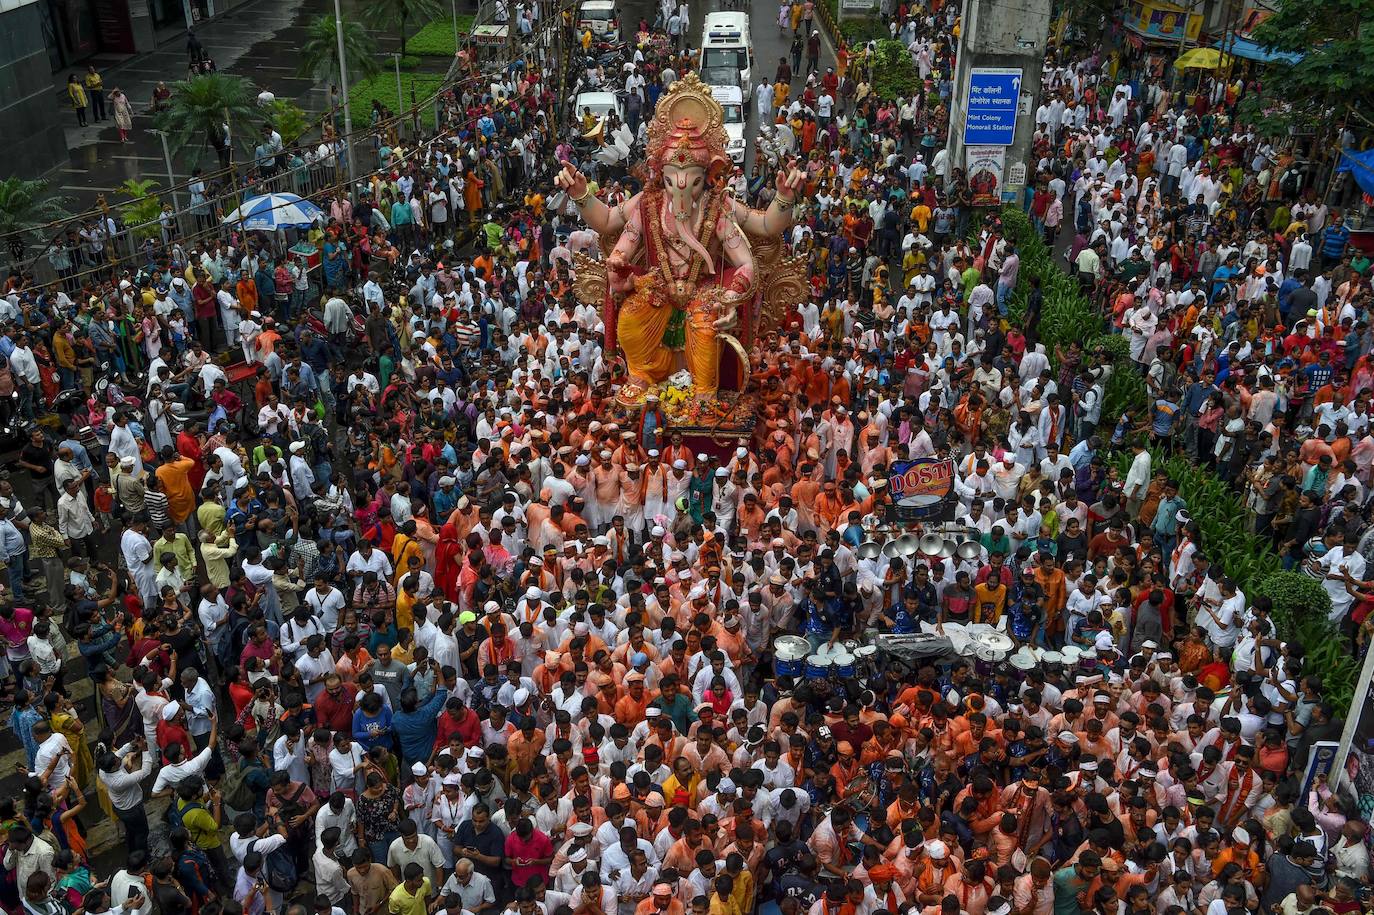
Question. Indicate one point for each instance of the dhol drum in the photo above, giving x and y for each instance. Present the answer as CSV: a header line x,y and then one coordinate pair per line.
x,y
866,657
789,655
986,658
818,666
842,666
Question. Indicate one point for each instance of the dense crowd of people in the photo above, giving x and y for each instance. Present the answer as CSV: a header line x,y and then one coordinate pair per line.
x,y
387,606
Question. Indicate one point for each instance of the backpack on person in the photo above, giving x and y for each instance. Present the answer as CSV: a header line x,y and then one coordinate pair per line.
x,y
176,814
237,793
279,868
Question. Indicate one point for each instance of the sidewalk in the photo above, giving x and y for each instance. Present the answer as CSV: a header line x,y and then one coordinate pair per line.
x,y
259,40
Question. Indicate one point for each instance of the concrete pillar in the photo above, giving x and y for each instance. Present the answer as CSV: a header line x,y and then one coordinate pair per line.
x,y
997,38
29,108
141,21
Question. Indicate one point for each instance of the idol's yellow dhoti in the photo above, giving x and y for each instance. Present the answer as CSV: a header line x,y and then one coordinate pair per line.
x,y
703,339
643,317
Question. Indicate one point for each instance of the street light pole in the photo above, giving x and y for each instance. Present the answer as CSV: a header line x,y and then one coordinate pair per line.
x,y
455,26
171,180
343,87
400,100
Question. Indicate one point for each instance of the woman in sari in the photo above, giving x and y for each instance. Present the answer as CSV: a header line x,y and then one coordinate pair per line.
x,y
53,817
335,263
188,445
118,710
65,721
448,555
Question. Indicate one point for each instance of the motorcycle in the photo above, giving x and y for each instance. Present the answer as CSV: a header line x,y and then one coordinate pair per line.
x,y
312,319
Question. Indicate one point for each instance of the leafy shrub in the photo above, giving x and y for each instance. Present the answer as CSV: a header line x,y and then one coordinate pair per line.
x,y
894,73
1297,599
1301,609
140,215
860,32
288,119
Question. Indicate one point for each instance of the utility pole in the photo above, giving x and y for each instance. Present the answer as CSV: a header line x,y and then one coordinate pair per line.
x,y
171,180
343,87
559,65
512,28
456,42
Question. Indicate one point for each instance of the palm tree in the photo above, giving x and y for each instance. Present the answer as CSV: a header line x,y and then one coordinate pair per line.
x,y
320,52
24,206
386,14
140,214
202,105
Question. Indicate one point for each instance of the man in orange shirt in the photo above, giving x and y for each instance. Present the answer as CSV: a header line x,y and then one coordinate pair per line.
x,y
525,746
1052,580
660,902
629,710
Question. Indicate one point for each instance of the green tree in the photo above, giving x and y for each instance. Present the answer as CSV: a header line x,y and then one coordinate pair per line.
x,y
200,106
1334,81
894,73
140,213
288,120
320,52
397,14
23,206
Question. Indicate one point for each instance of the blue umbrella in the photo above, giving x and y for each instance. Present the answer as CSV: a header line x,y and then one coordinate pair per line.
x,y
275,211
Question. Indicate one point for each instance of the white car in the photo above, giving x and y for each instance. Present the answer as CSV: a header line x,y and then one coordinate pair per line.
x,y
600,17
732,104
600,104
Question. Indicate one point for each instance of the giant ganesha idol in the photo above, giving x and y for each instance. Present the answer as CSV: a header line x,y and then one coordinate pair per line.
x,y
693,275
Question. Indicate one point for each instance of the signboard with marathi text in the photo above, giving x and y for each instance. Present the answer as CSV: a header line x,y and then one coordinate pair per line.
x,y
990,109
922,490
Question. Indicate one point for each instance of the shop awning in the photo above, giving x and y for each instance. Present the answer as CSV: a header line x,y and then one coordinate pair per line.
x,y
1244,47
1361,167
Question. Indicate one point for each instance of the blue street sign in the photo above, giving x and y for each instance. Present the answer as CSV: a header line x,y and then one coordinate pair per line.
x,y
991,106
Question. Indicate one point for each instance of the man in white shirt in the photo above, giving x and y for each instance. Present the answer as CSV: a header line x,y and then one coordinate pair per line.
x,y
1341,564
53,761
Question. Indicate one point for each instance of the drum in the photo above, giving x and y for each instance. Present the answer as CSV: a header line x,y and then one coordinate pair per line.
x,y
818,667
789,655
866,660
1071,654
986,659
842,665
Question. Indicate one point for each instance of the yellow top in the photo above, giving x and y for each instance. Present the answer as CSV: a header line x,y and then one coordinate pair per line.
x,y
94,81
401,902
77,94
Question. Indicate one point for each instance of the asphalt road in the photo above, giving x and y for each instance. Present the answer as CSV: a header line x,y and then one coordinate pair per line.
x,y
769,45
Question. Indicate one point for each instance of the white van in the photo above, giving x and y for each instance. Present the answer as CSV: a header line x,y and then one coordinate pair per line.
x,y
599,16
731,102
727,55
